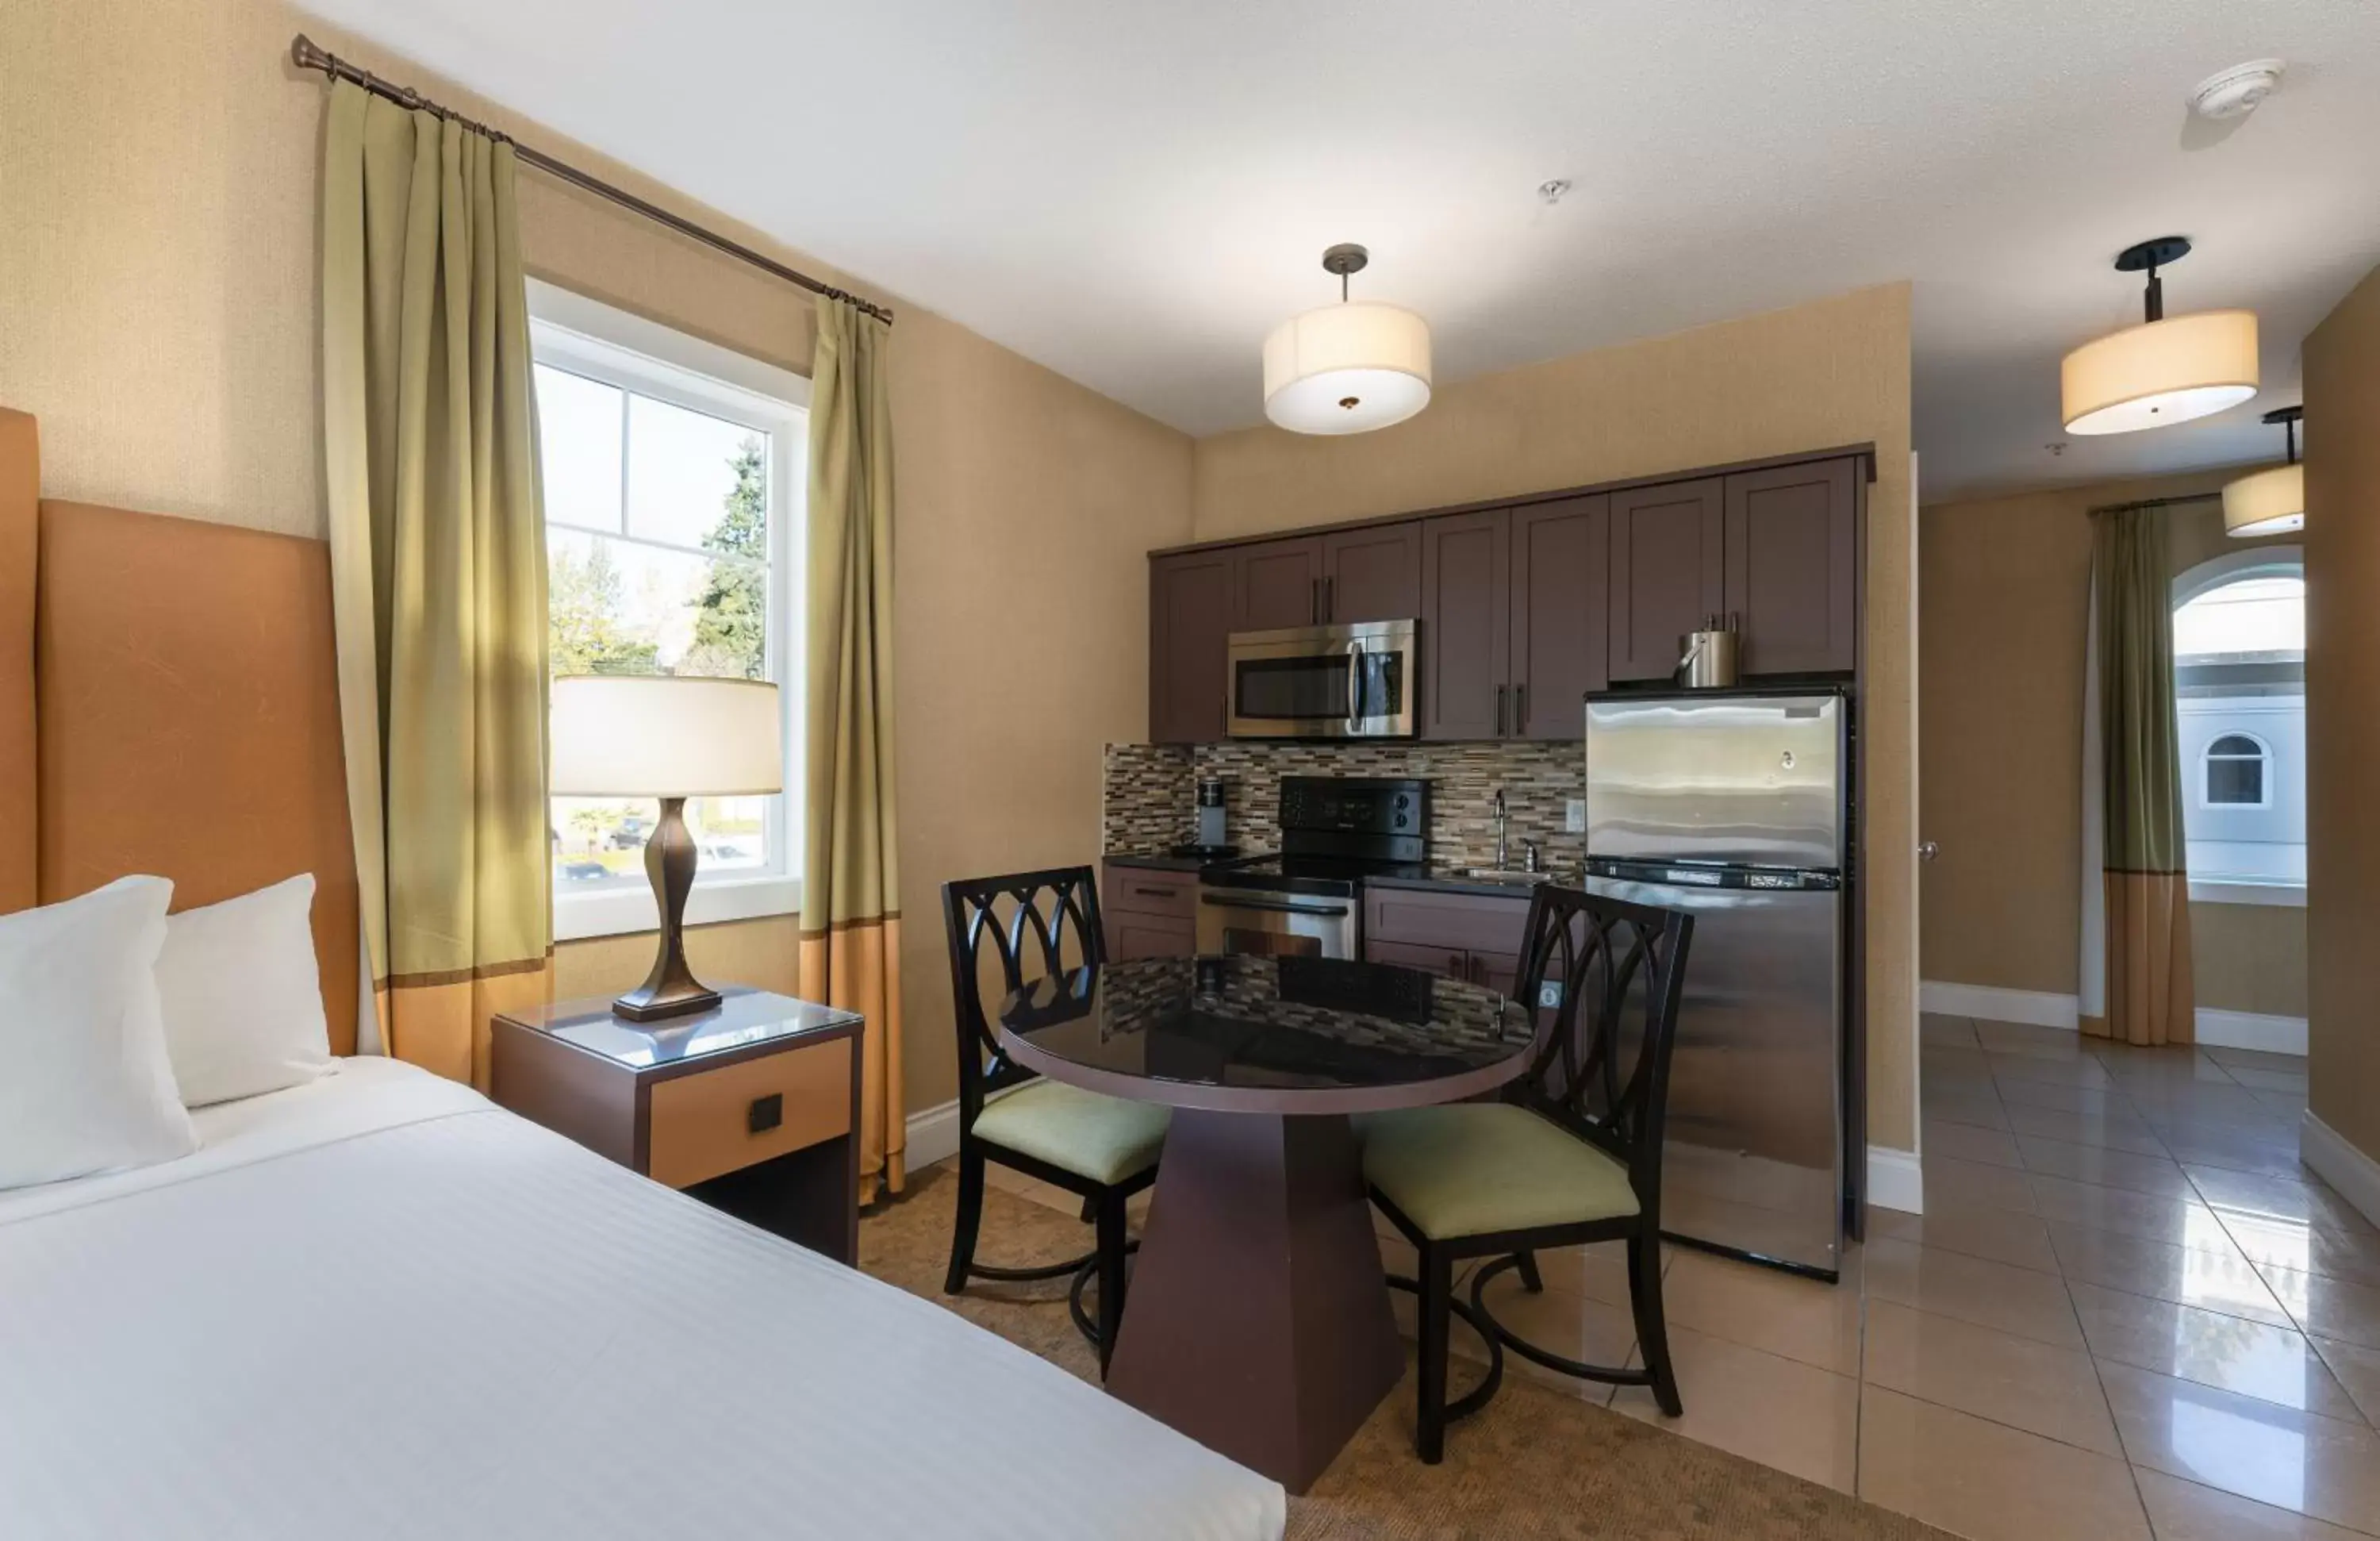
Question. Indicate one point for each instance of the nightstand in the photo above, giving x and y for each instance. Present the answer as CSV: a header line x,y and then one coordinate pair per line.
x,y
752,1107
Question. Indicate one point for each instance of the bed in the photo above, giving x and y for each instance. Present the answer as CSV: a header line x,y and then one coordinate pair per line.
x,y
376,1304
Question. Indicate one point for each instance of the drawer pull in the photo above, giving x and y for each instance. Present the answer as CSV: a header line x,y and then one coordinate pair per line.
x,y
1158,893
765,1113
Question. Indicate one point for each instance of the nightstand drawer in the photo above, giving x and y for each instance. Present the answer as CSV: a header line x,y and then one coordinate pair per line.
x,y
703,1124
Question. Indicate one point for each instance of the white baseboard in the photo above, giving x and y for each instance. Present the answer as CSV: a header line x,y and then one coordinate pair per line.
x,y
1895,1180
2354,1174
2274,1035
2041,1008
933,1136
2216,1029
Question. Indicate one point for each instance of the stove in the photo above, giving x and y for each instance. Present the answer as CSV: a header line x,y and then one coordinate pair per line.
x,y
1306,899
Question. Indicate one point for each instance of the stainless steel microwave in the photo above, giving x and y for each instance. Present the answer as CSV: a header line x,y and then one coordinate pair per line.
x,y
1325,682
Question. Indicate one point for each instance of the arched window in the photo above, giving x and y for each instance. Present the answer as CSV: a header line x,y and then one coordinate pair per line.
x,y
2235,771
2239,675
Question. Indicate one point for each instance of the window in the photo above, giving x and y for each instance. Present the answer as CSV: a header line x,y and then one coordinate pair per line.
x,y
2234,767
673,473
2239,646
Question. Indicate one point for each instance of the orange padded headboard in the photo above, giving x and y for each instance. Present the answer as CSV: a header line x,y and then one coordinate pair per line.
x,y
188,713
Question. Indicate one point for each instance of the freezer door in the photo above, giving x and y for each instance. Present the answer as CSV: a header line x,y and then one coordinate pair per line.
x,y
1757,780
1753,1162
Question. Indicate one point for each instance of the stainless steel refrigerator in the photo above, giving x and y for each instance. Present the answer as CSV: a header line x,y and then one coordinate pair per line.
x,y
1735,806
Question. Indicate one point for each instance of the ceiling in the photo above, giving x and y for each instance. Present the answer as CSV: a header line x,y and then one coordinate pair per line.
x,y
1134,193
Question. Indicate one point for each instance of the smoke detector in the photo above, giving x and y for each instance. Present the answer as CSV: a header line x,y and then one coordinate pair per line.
x,y
2235,92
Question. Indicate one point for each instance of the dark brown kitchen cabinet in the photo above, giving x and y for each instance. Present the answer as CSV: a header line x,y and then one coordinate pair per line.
x,y
1191,606
1560,552
1149,913
1668,572
1467,573
1277,584
1373,573
1793,567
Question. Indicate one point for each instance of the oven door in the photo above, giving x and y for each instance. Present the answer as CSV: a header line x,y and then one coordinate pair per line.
x,y
1324,682
1276,924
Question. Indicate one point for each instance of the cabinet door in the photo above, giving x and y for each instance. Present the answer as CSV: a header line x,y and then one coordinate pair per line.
x,y
1560,552
1452,962
1793,567
1465,634
1498,971
1372,575
1147,936
1189,626
1278,583
1667,574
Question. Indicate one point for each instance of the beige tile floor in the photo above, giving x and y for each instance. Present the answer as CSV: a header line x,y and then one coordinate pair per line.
x,y
2127,1312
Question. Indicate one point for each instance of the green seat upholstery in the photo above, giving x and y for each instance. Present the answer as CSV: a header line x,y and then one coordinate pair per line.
x,y
1480,1168
1106,1139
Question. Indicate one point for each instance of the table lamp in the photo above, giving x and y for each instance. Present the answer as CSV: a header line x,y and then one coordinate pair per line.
x,y
670,736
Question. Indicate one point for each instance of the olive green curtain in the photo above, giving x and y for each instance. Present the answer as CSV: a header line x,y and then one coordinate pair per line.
x,y
437,573
2144,881
851,882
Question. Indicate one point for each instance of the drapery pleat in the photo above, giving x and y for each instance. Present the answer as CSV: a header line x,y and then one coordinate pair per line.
x,y
437,573
2145,884
851,885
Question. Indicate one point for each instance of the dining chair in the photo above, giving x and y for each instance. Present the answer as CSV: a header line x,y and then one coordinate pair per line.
x,y
1103,1149
1572,1155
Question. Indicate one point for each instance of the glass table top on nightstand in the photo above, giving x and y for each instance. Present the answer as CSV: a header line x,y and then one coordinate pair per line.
x,y
744,1017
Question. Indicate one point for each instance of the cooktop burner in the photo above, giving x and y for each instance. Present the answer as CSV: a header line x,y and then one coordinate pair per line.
x,y
1277,872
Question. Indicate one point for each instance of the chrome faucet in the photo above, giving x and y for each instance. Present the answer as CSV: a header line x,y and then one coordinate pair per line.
x,y
1503,850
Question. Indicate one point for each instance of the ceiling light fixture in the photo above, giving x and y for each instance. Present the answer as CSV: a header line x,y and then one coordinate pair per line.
x,y
1346,368
2162,371
2272,500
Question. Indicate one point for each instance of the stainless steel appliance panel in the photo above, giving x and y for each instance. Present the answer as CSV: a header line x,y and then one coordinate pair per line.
x,y
1278,925
1736,779
1354,681
1752,1159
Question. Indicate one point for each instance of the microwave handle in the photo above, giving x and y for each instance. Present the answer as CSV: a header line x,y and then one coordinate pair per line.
x,y
1355,687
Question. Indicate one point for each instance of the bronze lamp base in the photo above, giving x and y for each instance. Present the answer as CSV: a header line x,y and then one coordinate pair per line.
x,y
671,989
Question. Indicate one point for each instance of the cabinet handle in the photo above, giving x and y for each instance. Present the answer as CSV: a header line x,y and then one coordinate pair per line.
x,y
1313,598
1329,596
1520,708
1502,691
1157,892
1457,966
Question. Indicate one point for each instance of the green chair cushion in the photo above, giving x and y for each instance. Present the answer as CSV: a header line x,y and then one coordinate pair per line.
x,y
1478,1168
1106,1139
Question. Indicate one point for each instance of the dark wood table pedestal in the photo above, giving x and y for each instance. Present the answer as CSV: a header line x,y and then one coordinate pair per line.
x,y
1258,1322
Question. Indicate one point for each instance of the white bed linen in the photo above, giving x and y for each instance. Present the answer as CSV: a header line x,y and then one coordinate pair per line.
x,y
375,1306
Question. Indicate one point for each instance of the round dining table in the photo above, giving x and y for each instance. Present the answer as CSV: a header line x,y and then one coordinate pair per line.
x,y
1259,1320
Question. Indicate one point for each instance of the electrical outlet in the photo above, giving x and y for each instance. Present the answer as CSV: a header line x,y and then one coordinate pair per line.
x,y
1574,816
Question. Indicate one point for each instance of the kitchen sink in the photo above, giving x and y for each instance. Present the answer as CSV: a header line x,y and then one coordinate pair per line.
x,y
1506,874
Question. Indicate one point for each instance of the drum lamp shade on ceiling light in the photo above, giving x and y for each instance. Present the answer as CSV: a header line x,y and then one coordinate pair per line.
x,y
1347,368
2164,371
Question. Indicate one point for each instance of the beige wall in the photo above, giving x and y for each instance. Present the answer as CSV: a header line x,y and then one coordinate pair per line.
x,y
2342,387
158,167
1827,373
2007,596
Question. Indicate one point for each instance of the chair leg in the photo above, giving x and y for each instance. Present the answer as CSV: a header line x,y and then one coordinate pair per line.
x,y
1531,1280
1429,1412
1652,1331
969,1221
1112,1240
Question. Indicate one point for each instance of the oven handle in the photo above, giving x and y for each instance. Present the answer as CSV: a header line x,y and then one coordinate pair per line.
x,y
1253,903
1355,688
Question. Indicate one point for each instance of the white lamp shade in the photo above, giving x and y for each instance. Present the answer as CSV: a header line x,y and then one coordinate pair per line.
x,y
2267,503
2161,372
666,736
1347,368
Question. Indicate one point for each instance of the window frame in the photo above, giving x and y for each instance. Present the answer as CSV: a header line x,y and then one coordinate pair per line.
x,y
2265,559
2263,758
599,342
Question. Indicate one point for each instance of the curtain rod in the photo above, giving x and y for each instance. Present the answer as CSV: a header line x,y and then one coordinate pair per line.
x,y
2158,503
306,55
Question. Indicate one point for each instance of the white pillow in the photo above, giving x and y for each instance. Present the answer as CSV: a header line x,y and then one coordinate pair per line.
x,y
85,1083
242,1000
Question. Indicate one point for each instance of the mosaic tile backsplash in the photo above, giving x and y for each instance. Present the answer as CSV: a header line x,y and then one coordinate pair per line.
x,y
1149,793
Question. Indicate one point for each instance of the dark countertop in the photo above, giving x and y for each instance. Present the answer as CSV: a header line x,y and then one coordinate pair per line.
x,y
1155,861
1453,880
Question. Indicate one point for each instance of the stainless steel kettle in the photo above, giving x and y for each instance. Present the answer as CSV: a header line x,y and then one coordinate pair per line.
x,y
1710,655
